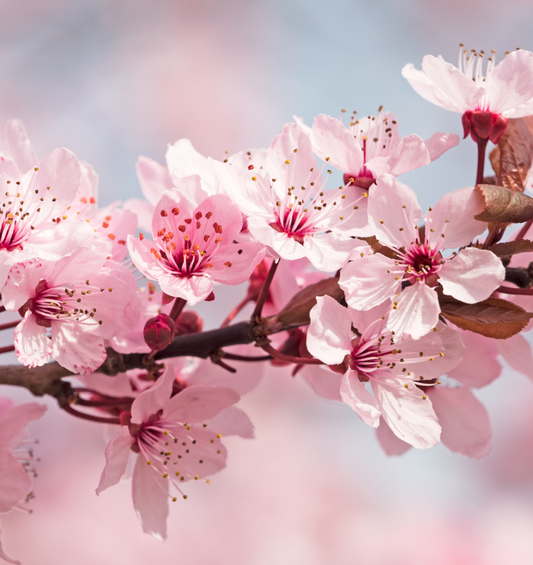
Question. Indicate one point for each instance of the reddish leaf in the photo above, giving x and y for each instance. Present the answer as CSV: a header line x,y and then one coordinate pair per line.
x,y
515,152
512,248
494,317
504,205
296,312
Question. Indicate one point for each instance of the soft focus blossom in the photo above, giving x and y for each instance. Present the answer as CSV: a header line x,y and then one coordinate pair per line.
x,y
193,246
172,445
398,370
394,214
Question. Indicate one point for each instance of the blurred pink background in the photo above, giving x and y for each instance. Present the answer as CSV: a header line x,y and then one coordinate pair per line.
x,y
113,79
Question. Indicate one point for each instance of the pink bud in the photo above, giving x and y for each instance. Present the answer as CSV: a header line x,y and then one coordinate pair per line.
x,y
188,323
159,331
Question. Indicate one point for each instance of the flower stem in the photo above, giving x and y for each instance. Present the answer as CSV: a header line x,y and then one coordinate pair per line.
x,y
289,358
70,410
177,307
481,148
7,349
523,231
264,290
511,290
235,311
9,325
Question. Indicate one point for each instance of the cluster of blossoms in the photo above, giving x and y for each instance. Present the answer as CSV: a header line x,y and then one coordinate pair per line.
x,y
395,313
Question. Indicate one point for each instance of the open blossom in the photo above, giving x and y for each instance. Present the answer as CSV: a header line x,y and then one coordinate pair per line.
x,y
487,99
172,445
288,207
398,370
415,264
194,246
33,203
371,146
81,298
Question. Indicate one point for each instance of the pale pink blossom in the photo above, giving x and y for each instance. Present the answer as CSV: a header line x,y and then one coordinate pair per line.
x,y
470,276
369,147
288,207
398,370
81,298
172,445
194,246
487,98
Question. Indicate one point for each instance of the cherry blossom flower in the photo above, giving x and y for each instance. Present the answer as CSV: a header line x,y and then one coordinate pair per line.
x,y
288,207
372,146
486,99
416,260
32,218
172,445
16,459
194,245
82,301
399,371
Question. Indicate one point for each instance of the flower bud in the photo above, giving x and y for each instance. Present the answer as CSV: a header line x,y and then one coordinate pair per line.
x,y
159,331
188,323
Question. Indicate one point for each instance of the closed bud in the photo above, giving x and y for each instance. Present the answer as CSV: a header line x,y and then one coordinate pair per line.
x,y
188,323
159,331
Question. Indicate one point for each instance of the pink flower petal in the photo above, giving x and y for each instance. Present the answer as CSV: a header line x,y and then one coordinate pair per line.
x,y
199,403
453,216
13,423
154,179
193,289
408,414
234,263
75,349
411,153
191,188
472,276
329,252
329,336
117,453
285,164
153,399
283,245
32,346
480,365
15,483
517,352
117,386
390,444
232,421
462,92
333,140
510,85
4,555
465,422
439,143
393,212
370,280
429,91
417,311
325,382
14,143
143,210
150,499
183,160
357,397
